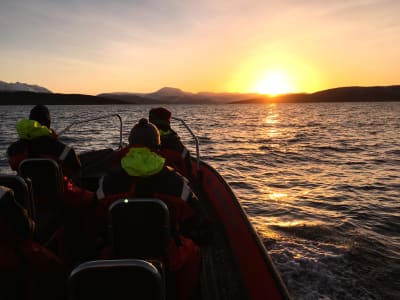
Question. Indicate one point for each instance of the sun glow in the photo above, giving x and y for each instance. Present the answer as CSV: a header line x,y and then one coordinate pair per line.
x,y
272,73
274,83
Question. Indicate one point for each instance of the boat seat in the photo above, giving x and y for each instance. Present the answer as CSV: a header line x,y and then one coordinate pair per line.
x,y
139,228
22,191
47,183
115,279
14,215
95,164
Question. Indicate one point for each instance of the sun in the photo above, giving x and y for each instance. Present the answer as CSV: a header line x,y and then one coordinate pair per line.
x,y
274,83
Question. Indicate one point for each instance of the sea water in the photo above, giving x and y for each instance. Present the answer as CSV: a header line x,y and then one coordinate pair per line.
x,y
320,182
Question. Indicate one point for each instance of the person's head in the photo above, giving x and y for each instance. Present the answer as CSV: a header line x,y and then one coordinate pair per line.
x,y
41,114
144,133
160,116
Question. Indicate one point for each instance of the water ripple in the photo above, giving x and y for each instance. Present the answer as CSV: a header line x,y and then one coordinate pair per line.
x,y
319,181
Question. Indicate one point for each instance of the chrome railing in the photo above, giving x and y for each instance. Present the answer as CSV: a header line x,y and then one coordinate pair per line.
x,y
94,119
196,140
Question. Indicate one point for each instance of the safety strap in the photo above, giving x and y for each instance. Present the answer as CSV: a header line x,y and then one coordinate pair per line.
x,y
100,192
64,153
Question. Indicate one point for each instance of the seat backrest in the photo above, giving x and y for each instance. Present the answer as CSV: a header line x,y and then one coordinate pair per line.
x,y
14,215
47,183
95,164
116,279
22,191
139,228
46,177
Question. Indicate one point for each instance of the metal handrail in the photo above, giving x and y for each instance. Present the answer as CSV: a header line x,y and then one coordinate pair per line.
x,y
196,140
94,119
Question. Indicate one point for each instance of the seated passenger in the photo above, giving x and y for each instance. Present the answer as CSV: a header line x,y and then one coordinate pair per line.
x,y
143,173
27,270
41,114
172,147
38,140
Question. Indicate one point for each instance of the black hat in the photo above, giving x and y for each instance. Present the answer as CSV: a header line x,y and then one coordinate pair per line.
x,y
160,114
144,133
41,114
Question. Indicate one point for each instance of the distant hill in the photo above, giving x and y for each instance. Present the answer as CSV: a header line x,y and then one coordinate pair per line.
x,y
341,94
174,95
22,93
170,95
131,98
165,95
18,86
356,93
33,98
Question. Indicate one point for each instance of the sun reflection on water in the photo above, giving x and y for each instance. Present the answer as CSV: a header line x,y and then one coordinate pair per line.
x,y
271,119
276,195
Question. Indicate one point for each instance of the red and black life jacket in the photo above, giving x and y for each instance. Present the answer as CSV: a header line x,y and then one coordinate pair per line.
x,y
37,141
167,185
177,155
27,269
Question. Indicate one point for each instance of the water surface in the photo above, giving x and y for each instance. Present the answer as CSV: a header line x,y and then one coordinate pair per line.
x,y
320,182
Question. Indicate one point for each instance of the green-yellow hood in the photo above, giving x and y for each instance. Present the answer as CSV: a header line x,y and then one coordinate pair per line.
x,y
164,132
141,162
30,129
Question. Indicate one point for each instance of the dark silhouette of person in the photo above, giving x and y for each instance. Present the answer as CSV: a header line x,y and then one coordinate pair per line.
x,y
143,173
172,148
38,140
27,269
41,114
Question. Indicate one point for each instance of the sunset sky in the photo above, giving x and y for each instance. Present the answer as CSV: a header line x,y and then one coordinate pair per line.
x,y
90,47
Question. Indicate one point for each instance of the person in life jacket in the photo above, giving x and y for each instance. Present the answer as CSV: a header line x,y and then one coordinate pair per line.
x,y
38,140
143,173
27,269
172,147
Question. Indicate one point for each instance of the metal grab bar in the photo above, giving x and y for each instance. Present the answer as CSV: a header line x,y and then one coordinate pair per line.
x,y
120,131
94,119
196,140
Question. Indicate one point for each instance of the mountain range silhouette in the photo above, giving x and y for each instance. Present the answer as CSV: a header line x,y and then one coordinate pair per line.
x,y
25,94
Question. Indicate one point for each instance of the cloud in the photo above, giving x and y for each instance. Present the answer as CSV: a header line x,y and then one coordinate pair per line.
x,y
188,36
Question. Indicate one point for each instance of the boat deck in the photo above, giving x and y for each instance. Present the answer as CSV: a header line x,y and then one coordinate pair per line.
x,y
220,276
219,279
